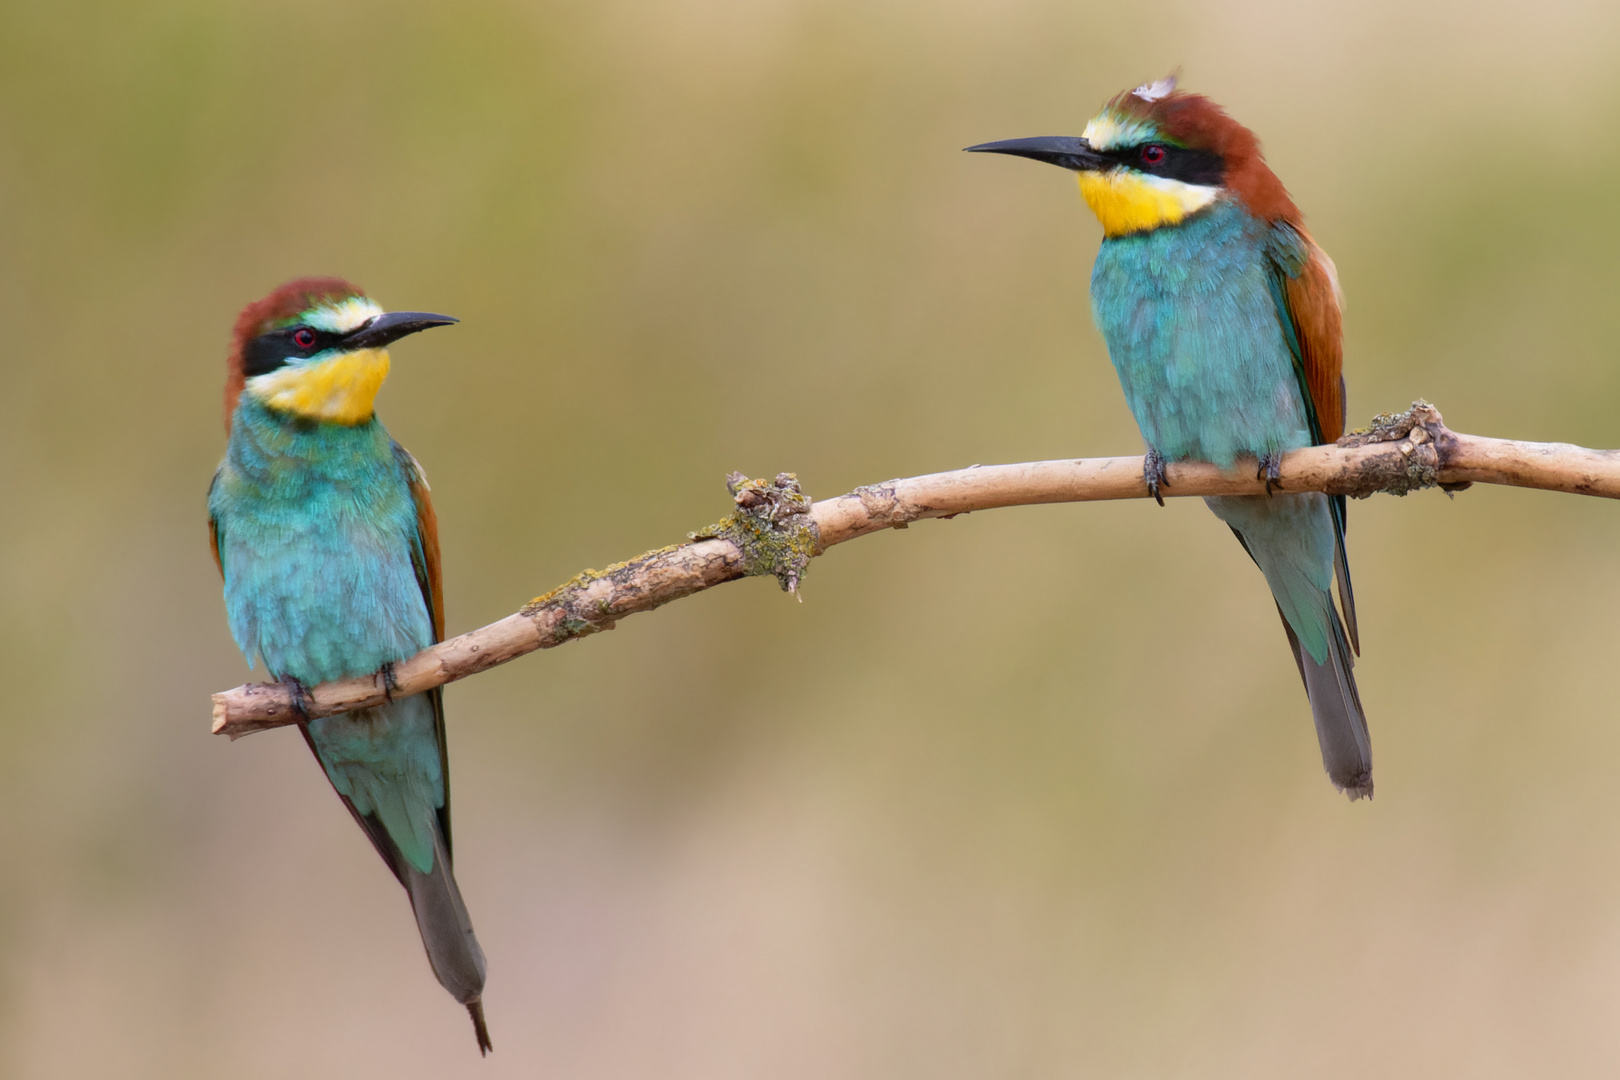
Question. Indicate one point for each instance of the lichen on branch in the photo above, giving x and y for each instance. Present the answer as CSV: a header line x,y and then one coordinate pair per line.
x,y
772,527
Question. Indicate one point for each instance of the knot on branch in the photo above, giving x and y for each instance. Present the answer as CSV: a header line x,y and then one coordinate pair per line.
x,y
882,502
772,527
1422,441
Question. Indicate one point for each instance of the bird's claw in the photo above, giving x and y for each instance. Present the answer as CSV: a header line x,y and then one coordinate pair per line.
x,y
390,682
1270,470
1153,474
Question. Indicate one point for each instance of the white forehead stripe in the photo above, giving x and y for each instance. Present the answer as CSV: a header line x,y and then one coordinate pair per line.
x,y
1108,132
345,315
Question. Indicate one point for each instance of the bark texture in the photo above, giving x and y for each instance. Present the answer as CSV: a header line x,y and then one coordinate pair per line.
x,y
776,530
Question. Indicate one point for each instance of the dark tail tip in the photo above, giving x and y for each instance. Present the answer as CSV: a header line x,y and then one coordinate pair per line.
x,y
475,1009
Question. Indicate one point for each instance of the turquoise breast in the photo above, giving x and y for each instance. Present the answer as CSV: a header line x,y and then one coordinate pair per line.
x,y
1191,317
317,530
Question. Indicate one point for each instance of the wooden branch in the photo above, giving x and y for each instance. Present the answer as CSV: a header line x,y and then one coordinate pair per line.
x,y
776,530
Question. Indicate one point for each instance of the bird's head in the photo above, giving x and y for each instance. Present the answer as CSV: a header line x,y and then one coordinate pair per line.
x,y
316,348
1156,155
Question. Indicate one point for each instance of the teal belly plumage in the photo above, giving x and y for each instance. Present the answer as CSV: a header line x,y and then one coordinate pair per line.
x,y
319,540
317,529
1192,324
1199,335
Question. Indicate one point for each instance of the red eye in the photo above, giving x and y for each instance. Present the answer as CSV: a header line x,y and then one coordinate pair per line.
x,y
1152,154
304,338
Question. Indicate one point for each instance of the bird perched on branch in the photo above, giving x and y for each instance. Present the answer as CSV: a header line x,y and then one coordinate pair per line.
x,y
1222,319
325,535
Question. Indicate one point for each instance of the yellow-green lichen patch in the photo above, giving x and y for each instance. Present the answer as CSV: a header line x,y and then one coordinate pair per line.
x,y
617,573
579,580
582,614
772,527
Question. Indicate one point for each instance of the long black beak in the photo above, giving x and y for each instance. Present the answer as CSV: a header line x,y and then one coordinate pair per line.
x,y
393,326
1063,150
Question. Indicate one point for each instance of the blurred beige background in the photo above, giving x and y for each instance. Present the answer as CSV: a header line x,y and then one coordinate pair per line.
x,y
1033,793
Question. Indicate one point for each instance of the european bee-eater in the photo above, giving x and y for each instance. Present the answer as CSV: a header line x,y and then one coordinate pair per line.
x,y
1222,319
325,535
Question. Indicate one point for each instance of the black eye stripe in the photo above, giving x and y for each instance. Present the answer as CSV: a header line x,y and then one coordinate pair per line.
x,y
267,352
1179,163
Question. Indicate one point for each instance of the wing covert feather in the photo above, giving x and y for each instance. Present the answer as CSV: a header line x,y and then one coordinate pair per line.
x,y
1312,304
426,556
1312,298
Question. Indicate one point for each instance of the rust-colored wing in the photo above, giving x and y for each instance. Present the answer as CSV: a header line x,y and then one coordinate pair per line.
x,y
213,542
1312,299
1308,293
426,557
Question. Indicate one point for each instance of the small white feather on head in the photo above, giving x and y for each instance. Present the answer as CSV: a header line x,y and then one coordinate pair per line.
x,y
1153,91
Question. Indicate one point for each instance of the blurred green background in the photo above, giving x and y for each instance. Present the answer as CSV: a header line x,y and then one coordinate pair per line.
x,y
1027,794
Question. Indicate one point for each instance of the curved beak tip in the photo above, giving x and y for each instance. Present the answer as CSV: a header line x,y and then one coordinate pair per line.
x,y
421,319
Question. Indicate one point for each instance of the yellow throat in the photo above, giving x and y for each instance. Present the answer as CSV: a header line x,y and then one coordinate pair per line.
x,y
342,390
1127,202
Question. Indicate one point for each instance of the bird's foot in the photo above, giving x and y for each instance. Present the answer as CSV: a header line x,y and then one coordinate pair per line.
x,y
300,697
1153,474
1270,470
390,682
